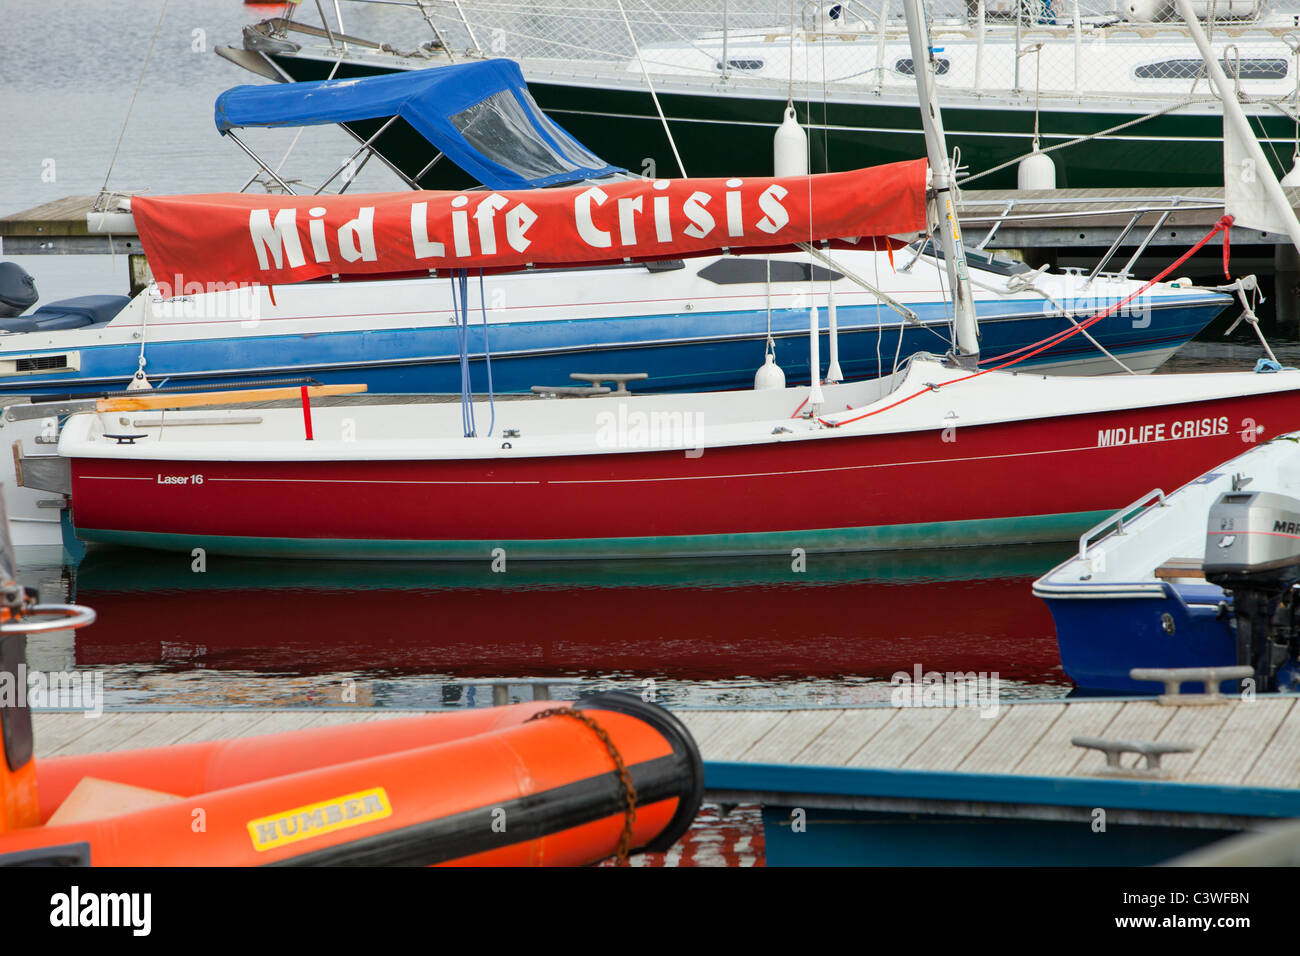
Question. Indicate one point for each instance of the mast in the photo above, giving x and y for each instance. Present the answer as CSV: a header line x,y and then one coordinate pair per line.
x,y
967,347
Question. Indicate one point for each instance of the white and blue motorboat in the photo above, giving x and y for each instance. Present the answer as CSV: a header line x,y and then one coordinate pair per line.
x,y
699,324
1201,578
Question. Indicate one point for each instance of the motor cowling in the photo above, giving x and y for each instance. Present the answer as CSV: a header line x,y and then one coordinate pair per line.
x,y
1252,551
1254,536
17,290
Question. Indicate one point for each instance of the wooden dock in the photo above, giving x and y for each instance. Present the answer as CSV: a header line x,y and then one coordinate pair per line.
x,y
63,733
1243,769
60,228
1236,743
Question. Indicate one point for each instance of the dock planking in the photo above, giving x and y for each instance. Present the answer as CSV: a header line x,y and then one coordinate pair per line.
x,y
1252,743
59,217
1231,739
1277,764
60,227
61,734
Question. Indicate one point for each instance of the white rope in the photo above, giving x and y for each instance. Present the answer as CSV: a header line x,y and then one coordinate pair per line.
x,y
140,380
880,330
1038,87
898,352
140,82
789,99
816,397
1248,312
653,95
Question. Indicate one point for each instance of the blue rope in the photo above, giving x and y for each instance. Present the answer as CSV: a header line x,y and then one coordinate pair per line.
x,y
455,311
487,353
1268,365
460,277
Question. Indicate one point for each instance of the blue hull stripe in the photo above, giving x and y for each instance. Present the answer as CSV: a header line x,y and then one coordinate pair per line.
x,y
670,348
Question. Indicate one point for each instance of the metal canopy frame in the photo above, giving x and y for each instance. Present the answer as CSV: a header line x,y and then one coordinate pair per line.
x,y
367,147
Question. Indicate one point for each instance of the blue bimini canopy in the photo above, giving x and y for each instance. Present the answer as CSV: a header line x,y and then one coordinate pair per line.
x,y
480,115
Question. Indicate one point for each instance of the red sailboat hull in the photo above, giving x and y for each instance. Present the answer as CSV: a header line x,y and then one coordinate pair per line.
x,y
1026,480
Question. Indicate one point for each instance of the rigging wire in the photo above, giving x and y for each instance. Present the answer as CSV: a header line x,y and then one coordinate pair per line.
x,y
131,106
814,371
139,376
789,100
1016,356
1081,139
686,38
826,117
826,168
1031,287
770,347
653,95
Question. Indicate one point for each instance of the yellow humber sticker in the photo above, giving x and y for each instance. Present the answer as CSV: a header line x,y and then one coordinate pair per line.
x,y
317,819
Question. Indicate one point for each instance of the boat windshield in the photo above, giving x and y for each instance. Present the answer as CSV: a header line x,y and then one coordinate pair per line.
x,y
979,258
497,127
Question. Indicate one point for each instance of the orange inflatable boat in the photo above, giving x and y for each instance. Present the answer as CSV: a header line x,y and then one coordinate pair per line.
x,y
529,784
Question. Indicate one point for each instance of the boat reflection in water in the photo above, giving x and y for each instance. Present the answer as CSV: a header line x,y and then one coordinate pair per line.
x,y
731,632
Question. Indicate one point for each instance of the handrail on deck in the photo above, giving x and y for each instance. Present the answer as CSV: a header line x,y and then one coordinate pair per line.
x,y
1118,519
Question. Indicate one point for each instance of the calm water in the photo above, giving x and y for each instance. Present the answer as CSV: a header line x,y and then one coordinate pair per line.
x,y
750,632
68,71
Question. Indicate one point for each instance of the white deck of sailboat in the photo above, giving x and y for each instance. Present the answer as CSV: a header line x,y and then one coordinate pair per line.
x,y
604,424
1237,743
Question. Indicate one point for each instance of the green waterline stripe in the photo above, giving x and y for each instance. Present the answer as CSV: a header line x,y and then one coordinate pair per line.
x,y
938,534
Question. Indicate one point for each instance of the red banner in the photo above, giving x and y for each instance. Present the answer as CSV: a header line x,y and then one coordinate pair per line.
x,y
235,238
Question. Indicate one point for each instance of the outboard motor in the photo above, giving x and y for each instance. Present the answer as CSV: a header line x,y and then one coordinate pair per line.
x,y
17,290
1252,551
